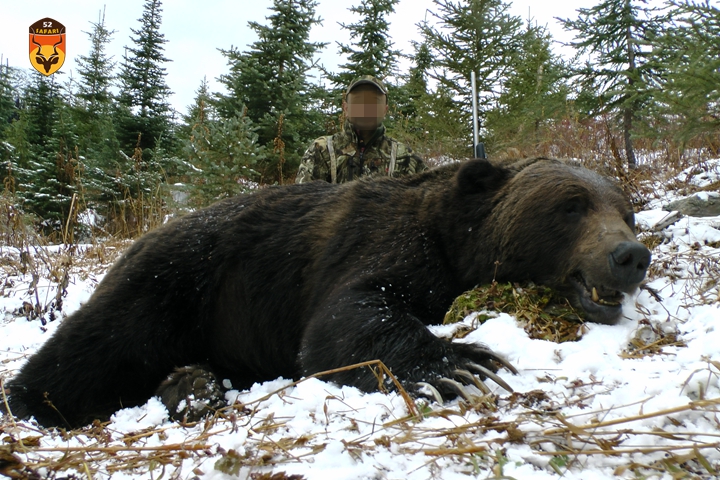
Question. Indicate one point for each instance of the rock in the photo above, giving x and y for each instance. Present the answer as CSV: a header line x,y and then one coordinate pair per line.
x,y
668,220
702,204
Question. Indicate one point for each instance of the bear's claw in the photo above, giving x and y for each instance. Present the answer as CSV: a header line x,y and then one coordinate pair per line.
x,y
429,391
491,375
471,379
456,387
501,361
463,378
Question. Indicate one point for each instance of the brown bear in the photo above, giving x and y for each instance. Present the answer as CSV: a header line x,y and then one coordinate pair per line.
x,y
294,280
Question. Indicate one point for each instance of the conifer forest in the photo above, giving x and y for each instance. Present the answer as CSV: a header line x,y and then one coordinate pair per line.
x,y
105,152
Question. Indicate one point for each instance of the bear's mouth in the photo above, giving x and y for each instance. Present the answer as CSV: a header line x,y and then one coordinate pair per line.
x,y
601,304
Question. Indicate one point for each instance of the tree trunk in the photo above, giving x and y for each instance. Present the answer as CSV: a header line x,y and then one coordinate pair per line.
x,y
629,110
627,129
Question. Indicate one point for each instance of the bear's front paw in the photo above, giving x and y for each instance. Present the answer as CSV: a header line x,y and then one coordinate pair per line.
x,y
470,365
191,393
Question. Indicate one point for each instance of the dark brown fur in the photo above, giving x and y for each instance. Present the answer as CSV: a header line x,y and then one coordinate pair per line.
x,y
294,280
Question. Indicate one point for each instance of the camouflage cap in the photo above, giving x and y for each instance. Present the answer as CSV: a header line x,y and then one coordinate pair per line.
x,y
367,79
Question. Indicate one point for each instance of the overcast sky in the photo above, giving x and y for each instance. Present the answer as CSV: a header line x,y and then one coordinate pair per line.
x,y
194,31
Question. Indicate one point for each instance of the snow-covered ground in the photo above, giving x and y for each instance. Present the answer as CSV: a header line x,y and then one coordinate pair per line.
x,y
634,400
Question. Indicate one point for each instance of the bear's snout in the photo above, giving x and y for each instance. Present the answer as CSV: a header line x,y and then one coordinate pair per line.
x,y
628,263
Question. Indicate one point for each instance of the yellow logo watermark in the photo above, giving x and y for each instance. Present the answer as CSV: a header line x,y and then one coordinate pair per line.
x,y
47,45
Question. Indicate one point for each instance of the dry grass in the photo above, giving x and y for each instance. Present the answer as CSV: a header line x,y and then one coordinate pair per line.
x,y
566,441
50,269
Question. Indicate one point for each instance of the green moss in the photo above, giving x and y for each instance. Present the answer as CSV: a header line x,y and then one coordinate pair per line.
x,y
544,314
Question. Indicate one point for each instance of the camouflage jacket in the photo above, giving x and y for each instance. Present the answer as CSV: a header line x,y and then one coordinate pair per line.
x,y
382,156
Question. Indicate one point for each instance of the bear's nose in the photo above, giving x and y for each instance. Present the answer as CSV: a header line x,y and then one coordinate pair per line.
x,y
629,262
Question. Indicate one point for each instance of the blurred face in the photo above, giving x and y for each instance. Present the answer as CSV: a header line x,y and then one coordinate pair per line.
x,y
365,107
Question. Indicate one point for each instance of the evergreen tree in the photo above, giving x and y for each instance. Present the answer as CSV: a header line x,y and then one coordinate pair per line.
x,y
34,168
416,85
145,111
45,175
202,110
370,52
269,85
420,115
533,93
411,116
10,131
64,169
471,35
221,152
94,107
96,71
40,108
687,51
8,112
144,128
409,96
616,77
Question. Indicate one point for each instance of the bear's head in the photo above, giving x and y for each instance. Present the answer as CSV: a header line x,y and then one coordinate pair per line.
x,y
556,224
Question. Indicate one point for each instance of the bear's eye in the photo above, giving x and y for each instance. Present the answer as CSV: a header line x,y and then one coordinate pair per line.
x,y
575,208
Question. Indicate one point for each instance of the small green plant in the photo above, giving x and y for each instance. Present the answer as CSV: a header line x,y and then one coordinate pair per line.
x,y
559,464
544,313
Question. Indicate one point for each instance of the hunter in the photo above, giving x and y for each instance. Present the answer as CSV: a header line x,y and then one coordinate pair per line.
x,y
361,149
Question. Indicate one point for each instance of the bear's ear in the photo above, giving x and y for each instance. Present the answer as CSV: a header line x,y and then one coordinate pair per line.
x,y
477,176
